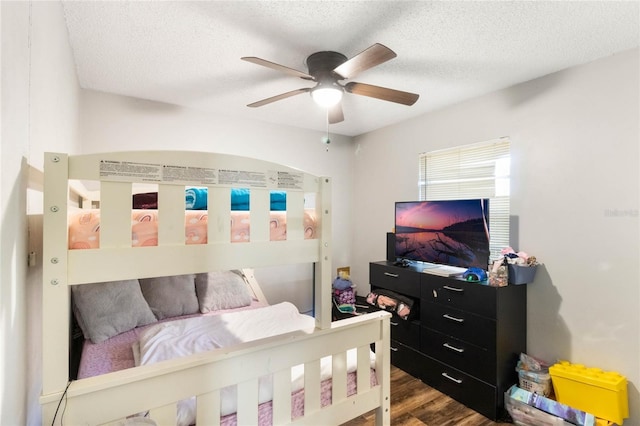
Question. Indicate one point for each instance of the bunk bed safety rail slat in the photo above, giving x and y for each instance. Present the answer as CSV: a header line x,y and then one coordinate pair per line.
x,y
123,393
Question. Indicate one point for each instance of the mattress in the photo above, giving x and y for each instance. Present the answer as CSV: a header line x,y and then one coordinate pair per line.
x,y
84,227
117,354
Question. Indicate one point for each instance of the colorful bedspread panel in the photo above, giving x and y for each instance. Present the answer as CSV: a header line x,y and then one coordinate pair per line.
x,y
197,199
84,227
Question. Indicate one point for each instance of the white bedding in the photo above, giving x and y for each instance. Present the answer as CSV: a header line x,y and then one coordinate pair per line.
x,y
192,335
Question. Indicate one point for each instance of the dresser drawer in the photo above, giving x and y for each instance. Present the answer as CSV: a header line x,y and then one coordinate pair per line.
x,y
473,297
464,356
468,390
406,332
407,359
462,325
405,281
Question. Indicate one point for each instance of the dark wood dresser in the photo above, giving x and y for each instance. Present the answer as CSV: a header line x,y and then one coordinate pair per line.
x,y
462,338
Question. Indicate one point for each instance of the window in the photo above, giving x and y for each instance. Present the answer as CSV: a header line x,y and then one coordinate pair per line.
x,y
472,171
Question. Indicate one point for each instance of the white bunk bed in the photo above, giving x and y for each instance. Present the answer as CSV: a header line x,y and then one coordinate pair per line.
x,y
156,389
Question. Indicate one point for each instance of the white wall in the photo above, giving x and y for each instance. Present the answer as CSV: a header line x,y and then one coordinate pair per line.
x,y
13,228
575,191
39,111
114,123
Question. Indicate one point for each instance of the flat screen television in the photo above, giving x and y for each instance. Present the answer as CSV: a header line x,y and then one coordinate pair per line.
x,y
448,232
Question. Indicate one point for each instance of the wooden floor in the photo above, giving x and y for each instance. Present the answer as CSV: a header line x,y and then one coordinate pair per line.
x,y
415,404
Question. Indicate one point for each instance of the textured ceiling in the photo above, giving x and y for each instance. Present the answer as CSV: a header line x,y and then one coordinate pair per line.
x,y
188,53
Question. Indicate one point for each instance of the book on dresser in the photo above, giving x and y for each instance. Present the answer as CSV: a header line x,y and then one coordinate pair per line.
x,y
443,270
463,338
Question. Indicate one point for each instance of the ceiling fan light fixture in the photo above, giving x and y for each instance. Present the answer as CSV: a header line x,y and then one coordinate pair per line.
x,y
327,69
326,95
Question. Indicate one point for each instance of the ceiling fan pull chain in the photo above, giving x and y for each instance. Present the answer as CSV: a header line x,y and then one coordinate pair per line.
x,y
327,141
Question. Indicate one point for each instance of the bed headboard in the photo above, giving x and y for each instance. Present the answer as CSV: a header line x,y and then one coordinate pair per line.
x,y
116,173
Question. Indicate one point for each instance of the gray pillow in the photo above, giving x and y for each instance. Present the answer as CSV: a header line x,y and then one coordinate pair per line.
x,y
222,290
104,310
170,296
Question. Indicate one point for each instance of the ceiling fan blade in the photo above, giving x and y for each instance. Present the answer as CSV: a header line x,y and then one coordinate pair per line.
x,y
383,93
278,97
277,67
369,58
335,114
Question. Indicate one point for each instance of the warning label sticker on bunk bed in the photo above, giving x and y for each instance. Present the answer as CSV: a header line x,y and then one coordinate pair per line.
x,y
126,171
129,172
242,177
188,175
271,179
290,180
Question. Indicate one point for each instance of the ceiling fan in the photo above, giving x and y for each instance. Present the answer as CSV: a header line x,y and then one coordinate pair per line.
x,y
327,69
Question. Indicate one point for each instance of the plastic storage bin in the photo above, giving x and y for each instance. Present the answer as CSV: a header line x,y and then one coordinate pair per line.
x,y
526,415
535,382
519,274
551,408
601,393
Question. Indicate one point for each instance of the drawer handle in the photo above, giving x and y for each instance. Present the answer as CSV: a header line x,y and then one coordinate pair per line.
x,y
459,290
449,317
453,348
393,349
389,274
453,379
393,323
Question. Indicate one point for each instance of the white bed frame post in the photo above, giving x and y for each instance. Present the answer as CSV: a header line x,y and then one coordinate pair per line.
x,y
383,370
55,291
323,270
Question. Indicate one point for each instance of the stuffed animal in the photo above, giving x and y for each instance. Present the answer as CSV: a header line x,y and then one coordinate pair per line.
x,y
343,290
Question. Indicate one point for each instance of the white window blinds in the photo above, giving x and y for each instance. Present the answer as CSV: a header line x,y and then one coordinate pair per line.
x,y
472,171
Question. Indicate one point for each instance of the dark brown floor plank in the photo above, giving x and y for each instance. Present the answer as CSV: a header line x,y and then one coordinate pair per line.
x,y
413,403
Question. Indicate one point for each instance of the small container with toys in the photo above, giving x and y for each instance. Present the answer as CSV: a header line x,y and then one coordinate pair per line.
x,y
343,291
533,375
521,267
